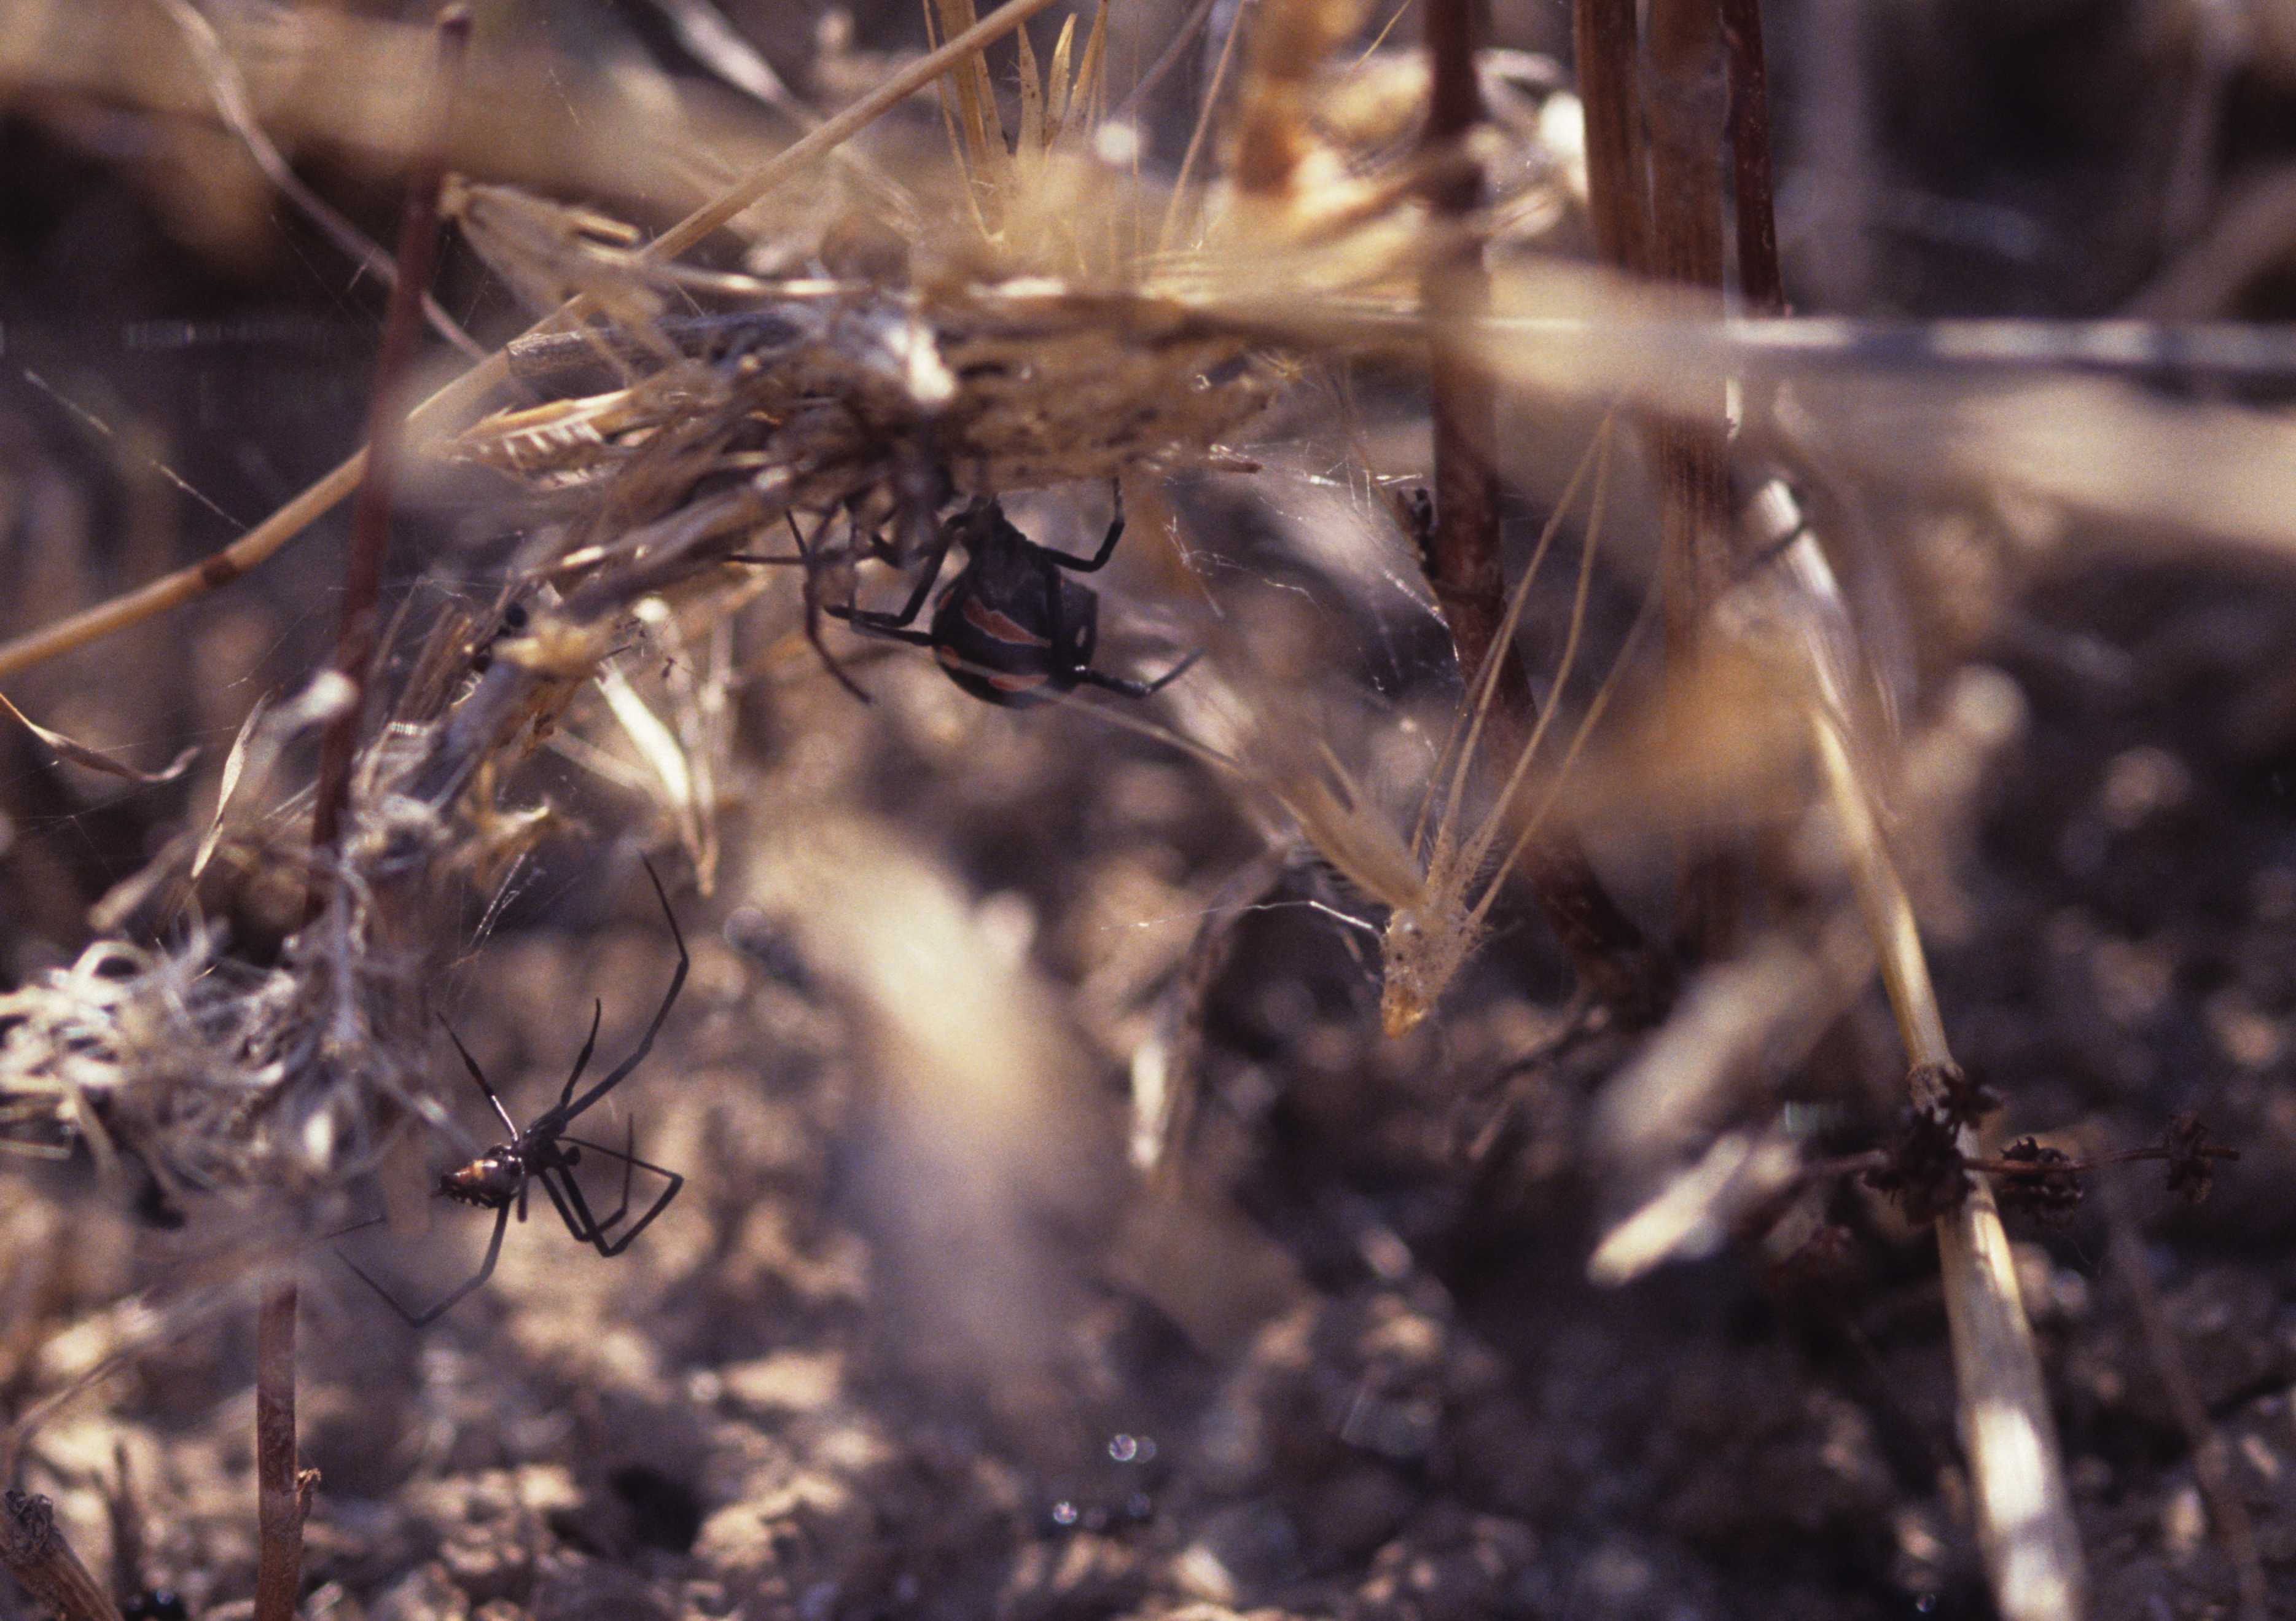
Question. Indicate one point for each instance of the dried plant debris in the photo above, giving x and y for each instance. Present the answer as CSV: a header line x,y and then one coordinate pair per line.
x,y
80,754
1012,387
2039,1181
171,1056
909,1339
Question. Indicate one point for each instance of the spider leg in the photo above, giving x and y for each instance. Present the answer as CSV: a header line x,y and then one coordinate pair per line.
x,y
582,1059
862,618
415,1320
1127,688
565,1113
571,1207
585,1226
609,1251
1098,559
472,1064
867,627
811,587
630,1165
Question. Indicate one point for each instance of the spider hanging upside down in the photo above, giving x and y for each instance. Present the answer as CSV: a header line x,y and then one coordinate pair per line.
x,y
1011,628
546,1152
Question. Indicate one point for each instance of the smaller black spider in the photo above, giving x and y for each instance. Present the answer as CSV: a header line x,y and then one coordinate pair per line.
x,y
1011,628
548,1153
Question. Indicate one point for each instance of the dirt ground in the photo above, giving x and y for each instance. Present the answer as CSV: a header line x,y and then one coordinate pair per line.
x,y
915,1339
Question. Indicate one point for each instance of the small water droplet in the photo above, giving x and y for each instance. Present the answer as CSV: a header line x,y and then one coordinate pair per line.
x,y
1140,1506
1925,1602
1124,1449
1064,1513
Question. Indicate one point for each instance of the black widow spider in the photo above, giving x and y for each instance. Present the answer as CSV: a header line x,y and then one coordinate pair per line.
x,y
546,1152
1011,628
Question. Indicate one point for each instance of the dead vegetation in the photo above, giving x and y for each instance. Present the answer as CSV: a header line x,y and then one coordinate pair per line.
x,y
1081,1216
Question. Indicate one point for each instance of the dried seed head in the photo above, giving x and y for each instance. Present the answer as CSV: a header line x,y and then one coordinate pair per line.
x,y
1947,1091
1925,1171
2045,1181
1422,954
2192,1157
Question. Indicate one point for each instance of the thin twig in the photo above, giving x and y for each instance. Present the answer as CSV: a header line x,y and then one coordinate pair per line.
x,y
278,1499
356,632
315,502
34,1552
281,1490
128,1537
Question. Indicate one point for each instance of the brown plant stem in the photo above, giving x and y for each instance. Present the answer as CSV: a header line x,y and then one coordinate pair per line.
x,y
34,1552
1463,559
281,1487
278,1497
1685,116
1656,210
1618,178
1761,282
356,632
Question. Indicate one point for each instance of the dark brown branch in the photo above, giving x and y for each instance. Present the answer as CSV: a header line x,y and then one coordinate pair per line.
x,y
1761,283
1618,179
356,634
34,1552
1684,103
1461,555
282,1486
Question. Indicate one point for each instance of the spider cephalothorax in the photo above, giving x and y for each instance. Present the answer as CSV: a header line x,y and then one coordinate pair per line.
x,y
545,1153
1011,628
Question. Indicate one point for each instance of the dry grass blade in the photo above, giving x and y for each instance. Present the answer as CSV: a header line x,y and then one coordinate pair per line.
x,y
2025,1518
1056,80
80,754
234,763
1032,95
1196,136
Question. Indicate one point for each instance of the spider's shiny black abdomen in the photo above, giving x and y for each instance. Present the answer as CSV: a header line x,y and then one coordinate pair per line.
x,y
489,1182
1012,629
